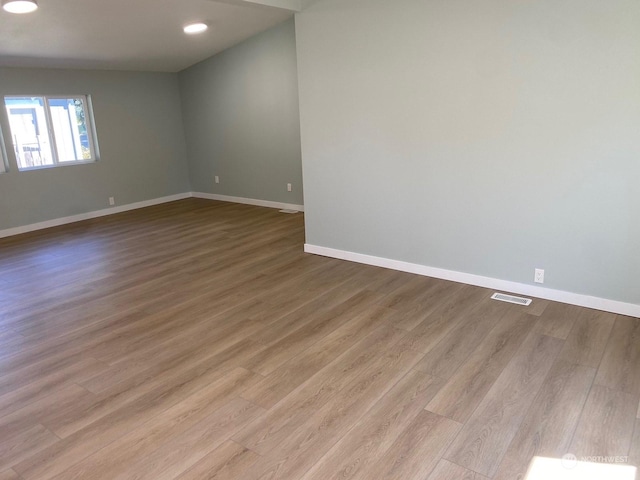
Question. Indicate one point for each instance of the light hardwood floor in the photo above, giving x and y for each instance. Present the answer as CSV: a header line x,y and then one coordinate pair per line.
x,y
195,340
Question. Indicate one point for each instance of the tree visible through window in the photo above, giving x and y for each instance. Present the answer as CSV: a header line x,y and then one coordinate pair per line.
x,y
50,131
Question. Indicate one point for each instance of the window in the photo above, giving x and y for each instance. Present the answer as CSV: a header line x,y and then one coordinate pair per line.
x,y
51,131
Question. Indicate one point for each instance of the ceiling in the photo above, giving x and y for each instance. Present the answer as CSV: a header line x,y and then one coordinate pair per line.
x,y
132,34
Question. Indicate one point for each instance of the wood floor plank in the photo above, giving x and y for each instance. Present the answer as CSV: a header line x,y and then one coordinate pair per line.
x,y
214,315
67,317
179,378
558,320
282,327
41,388
416,453
183,348
538,307
223,330
69,344
12,343
76,368
444,319
375,379
9,475
299,369
383,281
465,390
551,421
284,350
287,415
417,298
586,343
488,433
228,462
450,471
70,397
167,329
445,358
409,289
183,451
94,436
606,424
294,454
23,445
373,436
621,362
76,343
323,279
114,459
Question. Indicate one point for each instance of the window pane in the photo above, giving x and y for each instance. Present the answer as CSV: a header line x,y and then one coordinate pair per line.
x,y
29,132
68,116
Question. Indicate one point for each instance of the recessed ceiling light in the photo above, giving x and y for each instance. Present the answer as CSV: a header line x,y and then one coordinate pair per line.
x,y
195,28
19,6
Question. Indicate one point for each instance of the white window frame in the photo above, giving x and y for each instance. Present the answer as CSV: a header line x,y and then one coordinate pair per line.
x,y
90,125
4,165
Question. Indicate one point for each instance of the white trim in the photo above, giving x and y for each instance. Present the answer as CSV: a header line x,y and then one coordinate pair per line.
x,y
94,214
597,303
146,203
249,201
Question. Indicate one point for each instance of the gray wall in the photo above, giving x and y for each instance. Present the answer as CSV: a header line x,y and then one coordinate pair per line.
x,y
141,142
483,137
241,119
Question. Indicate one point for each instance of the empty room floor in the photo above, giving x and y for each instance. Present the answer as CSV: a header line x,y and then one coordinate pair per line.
x,y
196,340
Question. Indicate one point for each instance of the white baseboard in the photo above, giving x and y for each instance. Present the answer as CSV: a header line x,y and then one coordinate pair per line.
x,y
597,303
147,203
94,214
248,201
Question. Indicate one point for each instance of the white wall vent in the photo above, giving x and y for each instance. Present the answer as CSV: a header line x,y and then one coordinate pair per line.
x,y
511,299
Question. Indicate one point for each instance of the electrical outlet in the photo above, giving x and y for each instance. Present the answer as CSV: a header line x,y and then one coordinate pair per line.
x,y
216,179
288,187
538,276
112,201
